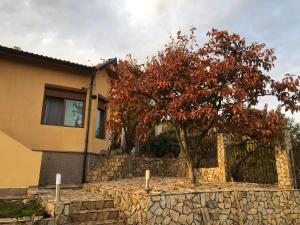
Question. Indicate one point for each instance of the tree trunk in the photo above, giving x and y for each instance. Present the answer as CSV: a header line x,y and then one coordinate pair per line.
x,y
137,144
185,152
123,140
191,171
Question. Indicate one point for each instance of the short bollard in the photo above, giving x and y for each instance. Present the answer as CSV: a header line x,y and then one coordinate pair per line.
x,y
147,176
58,183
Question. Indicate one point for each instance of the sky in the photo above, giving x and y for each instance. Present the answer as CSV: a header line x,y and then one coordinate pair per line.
x,y
91,30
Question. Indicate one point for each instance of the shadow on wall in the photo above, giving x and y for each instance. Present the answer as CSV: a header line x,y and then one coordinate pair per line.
x,y
19,165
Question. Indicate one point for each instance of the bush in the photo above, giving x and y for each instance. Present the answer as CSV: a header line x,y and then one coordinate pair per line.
x,y
19,209
163,145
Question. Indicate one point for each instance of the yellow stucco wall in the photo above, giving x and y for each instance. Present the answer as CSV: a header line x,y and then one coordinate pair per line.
x,y
21,98
19,166
102,87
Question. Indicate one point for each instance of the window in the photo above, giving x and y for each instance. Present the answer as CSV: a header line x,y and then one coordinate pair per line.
x,y
100,119
63,106
73,113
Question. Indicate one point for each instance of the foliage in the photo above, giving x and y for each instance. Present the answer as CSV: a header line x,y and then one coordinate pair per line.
x,y
294,128
213,86
125,117
17,209
162,145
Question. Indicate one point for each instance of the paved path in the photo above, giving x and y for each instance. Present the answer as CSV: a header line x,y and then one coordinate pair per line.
x,y
176,185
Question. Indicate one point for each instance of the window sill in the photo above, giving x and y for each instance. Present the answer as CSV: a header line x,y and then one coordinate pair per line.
x,y
100,138
56,125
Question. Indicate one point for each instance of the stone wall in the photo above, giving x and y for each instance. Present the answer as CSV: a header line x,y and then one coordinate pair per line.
x,y
216,207
172,167
226,207
124,166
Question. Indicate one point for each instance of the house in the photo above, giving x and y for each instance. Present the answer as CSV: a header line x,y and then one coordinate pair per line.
x,y
52,118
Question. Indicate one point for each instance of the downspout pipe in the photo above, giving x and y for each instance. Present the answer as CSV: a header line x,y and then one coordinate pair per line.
x,y
93,75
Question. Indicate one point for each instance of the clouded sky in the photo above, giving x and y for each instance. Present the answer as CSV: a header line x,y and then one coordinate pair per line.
x,y
86,31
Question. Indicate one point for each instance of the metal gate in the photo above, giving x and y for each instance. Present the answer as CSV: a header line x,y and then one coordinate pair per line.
x,y
252,161
296,166
204,151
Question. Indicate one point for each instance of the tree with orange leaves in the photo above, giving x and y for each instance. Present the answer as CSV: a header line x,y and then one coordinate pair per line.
x,y
213,86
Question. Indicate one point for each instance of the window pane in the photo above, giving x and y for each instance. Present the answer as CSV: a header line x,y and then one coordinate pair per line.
x,y
100,120
53,110
73,113
101,104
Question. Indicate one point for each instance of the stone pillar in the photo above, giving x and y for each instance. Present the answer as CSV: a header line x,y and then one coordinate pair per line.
x,y
283,162
215,174
221,158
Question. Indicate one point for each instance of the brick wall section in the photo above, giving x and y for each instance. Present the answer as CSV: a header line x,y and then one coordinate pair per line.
x,y
69,164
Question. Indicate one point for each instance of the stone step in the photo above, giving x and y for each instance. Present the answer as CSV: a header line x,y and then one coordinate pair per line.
x,y
77,206
105,178
103,172
107,222
94,215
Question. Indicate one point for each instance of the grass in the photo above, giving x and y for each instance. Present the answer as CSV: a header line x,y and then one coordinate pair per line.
x,y
18,209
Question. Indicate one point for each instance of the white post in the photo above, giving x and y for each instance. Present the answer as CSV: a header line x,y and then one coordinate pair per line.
x,y
147,176
158,129
58,183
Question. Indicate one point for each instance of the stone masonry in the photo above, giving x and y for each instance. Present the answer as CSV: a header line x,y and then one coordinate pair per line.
x,y
124,166
255,207
282,166
227,204
283,162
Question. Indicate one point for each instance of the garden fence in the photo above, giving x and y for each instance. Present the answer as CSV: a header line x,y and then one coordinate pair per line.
x,y
252,161
204,151
295,154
